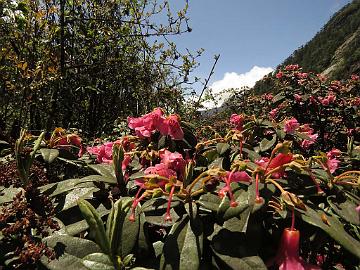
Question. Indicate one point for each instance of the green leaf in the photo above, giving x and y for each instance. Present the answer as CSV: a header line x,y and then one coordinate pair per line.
x,y
82,225
266,144
69,250
222,148
345,209
226,262
162,142
115,227
251,154
210,201
58,188
106,170
279,97
96,225
8,194
333,227
79,193
183,246
49,155
217,163
98,261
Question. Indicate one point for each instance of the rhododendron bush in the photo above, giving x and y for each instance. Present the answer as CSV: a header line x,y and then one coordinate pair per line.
x,y
269,192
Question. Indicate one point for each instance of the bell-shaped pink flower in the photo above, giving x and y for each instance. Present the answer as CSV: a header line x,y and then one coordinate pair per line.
x,y
161,170
174,161
146,124
287,257
102,152
171,126
279,160
332,162
273,113
291,125
279,75
237,121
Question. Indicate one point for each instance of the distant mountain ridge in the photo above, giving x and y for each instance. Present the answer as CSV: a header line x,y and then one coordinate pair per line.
x,y
334,51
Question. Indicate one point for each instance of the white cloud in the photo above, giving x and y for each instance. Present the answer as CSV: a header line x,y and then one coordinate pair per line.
x,y
235,80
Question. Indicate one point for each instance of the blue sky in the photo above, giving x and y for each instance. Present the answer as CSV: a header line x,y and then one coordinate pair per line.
x,y
248,33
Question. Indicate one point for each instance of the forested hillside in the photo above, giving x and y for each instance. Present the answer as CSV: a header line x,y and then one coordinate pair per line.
x,y
334,51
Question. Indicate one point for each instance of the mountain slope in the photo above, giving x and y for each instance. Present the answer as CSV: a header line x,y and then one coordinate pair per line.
x,y
335,49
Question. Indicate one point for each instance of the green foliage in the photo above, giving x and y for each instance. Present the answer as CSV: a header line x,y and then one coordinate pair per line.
x,y
85,64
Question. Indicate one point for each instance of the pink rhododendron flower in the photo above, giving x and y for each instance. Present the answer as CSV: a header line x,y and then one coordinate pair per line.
x,y
330,98
146,124
332,162
307,130
356,101
291,67
355,77
288,257
324,102
273,113
333,153
321,77
291,125
298,98
279,75
307,143
268,96
237,120
312,100
173,161
279,160
161,170
171,126
238,177
301,75
103,152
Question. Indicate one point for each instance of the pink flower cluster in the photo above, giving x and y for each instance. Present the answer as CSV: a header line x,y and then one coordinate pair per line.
x,y
237,120
268,97
292,67
301,75
171,165
308,131
103,152
273,113
330,98
298,98
279,160
332,162
291,125
147,124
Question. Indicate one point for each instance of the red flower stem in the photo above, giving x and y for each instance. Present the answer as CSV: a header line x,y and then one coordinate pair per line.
x,y
319,190
257,188
292,220
241,148
231,195
167,216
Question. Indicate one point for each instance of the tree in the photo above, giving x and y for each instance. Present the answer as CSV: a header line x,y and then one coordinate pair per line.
x,y
85,63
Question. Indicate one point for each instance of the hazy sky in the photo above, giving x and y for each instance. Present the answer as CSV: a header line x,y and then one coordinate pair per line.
x,y
249,33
